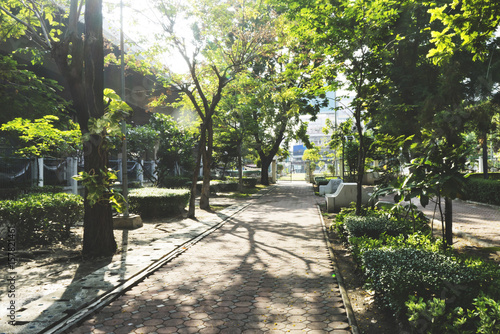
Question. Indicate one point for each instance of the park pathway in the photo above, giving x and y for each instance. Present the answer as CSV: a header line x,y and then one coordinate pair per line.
x,y
266,270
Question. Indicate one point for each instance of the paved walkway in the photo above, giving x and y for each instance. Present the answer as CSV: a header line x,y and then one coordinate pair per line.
x,y
477,222
267,269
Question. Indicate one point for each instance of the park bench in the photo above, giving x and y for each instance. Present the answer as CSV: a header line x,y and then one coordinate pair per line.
x,y
331,187
345,194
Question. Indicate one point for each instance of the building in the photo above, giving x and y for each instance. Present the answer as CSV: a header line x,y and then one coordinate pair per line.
x,y
335,113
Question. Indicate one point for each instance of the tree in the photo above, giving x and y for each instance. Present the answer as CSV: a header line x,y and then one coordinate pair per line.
x,y
175,146
80,60
354,37
473,21
40,137
26,95
226,36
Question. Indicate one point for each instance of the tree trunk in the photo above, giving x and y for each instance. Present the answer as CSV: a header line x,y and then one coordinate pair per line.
x,y
207,161
192,198
361,164
240,168
264,171
485,156
98,237
448,217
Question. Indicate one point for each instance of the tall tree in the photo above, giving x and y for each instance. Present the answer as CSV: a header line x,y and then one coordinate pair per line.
x,y
79,57
354,37
225,37
469,25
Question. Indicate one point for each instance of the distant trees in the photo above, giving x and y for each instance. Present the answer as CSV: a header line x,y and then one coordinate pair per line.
x,y
224,38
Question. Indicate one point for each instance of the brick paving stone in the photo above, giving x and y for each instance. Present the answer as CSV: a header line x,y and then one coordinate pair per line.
x,y
266,270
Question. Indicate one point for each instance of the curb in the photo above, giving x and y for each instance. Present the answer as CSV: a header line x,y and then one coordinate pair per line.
x,y
345,297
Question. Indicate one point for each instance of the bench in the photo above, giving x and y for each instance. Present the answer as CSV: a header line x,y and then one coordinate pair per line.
x,y
331,187
345,194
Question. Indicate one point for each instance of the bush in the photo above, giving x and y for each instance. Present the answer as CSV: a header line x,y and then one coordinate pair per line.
x,y
321,180
250,182
175,182
219,186
417,240
158,202
397,274
481,190
42,218
491,176
436,316
373,226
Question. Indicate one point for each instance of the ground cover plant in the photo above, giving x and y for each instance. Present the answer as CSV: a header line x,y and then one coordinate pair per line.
x,y
158,202
428,288
41,218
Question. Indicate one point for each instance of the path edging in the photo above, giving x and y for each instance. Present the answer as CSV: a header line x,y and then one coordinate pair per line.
x,y
343,291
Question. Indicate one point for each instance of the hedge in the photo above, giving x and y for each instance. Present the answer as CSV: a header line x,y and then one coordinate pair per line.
x,y
397,274
372,226
158,202
176,182
414,277
42,218
483,191
219,186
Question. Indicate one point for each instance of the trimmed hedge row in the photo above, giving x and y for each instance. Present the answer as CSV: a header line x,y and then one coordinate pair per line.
x,y
372,226
42,218
158,202
414,277
483,191
176,182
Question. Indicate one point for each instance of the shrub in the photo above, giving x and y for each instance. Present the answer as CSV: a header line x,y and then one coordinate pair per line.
x,y
158,202
219,186
491,176
224,186
436,316
416,240
398,273
372,226
321,180
42,218
250,182
175,182
481,190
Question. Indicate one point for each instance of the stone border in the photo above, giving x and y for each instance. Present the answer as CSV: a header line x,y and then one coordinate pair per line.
x,y
345,297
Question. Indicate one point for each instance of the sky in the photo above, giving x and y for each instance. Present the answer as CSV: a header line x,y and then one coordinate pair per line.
x,y
140,28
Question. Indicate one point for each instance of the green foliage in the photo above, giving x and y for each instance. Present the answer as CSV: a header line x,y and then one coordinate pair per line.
x,y
176,182
373,226
40,137
321,181
473,21
488,312
435,316
176,145
26,95
398,273
107,128
481,190
250,182
418,240
99,187
42,218
158,202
